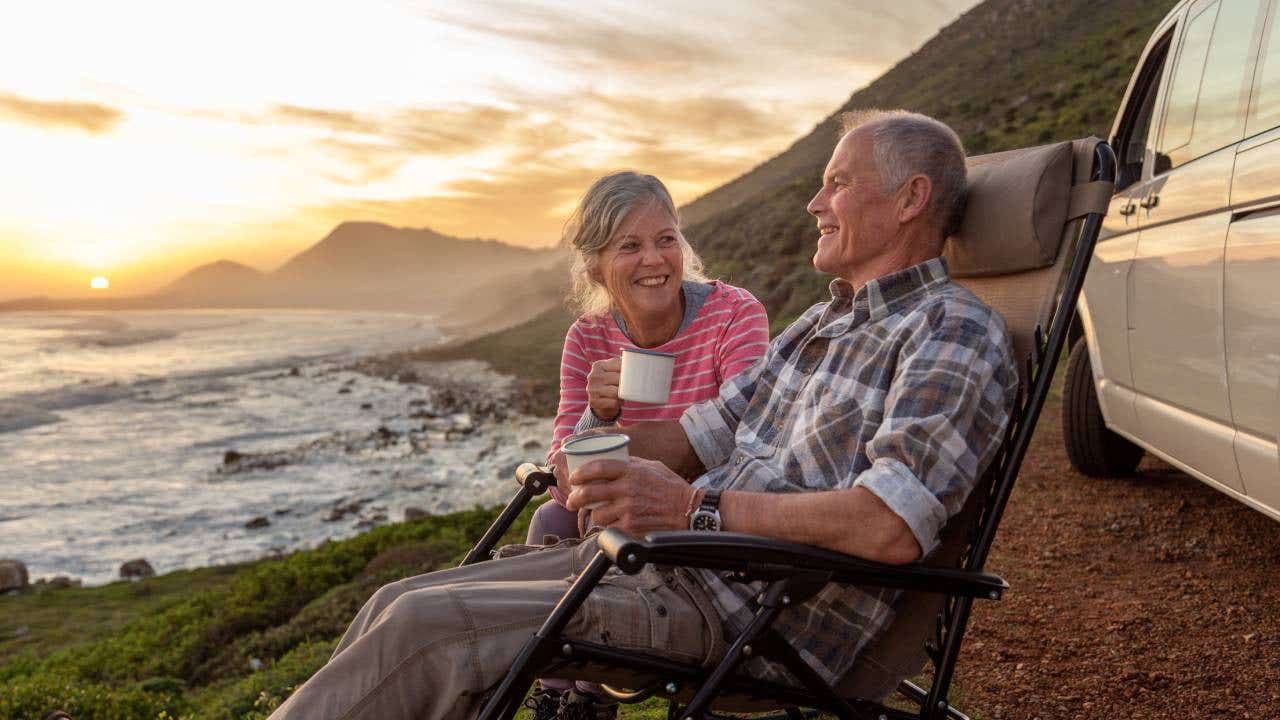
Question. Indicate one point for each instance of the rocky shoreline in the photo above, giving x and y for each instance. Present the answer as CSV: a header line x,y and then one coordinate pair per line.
x,y
456,424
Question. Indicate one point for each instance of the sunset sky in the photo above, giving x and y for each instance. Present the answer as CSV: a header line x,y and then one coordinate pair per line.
x,y
140,139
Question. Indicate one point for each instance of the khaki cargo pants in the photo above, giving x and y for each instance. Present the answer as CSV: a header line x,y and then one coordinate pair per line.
x,y
431,646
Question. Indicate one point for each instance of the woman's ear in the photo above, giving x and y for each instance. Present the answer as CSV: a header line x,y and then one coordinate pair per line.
x,y
593,272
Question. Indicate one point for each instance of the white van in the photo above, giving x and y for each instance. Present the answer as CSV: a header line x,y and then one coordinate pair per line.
x,y
1177,347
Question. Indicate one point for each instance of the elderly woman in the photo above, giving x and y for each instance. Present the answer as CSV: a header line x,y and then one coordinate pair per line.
x,y
638,283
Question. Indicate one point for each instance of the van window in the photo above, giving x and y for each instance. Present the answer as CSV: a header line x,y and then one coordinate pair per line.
x,y
1266,95
1185,86
1210,86
1134,137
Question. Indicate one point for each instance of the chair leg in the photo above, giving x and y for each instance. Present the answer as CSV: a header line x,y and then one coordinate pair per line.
x,y
770,605
539,649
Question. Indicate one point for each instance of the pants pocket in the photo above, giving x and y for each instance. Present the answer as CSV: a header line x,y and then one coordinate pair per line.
x,y
646,612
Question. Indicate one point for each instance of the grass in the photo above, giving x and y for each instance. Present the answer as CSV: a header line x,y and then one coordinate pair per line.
x,y
181,644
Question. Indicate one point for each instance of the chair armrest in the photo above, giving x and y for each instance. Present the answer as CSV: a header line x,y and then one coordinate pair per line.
x,y
536,477
760,558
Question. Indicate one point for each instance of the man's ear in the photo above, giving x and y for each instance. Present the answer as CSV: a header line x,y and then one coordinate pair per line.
x,y
913,198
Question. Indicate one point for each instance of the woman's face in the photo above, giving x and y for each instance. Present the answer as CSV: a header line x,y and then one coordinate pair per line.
x,y
642,266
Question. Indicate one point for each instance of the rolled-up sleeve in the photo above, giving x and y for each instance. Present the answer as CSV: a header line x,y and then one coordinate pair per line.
x,y
711,425
945,415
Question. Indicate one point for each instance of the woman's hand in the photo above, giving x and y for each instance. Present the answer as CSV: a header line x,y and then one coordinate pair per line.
x,y
602,388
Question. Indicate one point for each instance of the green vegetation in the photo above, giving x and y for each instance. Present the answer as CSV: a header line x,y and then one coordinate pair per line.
x,y
183,643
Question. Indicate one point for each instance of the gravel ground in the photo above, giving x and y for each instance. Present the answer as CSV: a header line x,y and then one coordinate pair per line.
x,y
1145,597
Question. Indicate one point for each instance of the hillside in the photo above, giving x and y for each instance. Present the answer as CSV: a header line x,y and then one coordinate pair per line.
x,y
1006,74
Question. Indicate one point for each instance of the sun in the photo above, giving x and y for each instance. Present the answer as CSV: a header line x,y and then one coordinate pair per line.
x,y
99,283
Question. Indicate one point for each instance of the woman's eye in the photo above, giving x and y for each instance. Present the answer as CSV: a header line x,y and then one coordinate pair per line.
x,y
667,240
629,246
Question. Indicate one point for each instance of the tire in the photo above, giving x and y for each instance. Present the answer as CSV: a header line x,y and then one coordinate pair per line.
x,y
1093,449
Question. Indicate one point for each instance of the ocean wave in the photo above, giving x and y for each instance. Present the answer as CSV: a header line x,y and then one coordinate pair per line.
x,y
125,338
17,416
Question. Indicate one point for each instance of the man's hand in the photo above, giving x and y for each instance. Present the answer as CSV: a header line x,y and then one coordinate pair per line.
x,y
602,388
639,496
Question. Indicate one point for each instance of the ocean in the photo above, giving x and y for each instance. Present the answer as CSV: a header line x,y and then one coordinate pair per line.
x,y
116,429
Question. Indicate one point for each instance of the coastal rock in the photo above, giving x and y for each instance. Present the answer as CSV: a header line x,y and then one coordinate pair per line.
x,y
258,522
412,513
13,575
62,582
234,461
136,569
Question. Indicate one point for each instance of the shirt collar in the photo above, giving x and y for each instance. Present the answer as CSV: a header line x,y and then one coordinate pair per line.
x,y
884,295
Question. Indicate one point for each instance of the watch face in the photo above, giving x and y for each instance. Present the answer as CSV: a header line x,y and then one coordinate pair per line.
x,y
703,520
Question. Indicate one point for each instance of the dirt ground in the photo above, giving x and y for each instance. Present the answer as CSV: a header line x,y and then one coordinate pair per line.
x,y
1145,597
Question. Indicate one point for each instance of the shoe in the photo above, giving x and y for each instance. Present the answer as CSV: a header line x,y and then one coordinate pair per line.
x,y
580,706
544,703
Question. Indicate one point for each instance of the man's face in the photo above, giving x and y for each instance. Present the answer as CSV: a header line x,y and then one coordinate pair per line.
x,y
856,221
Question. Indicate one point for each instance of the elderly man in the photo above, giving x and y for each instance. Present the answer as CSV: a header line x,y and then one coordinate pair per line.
x,y
862,430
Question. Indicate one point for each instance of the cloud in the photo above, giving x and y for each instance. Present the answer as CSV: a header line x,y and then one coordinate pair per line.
x,y
613,42
334,120
520,206
374,146
704,119
86,116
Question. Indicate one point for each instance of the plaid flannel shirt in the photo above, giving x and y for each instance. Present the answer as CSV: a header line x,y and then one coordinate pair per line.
x,y
903,388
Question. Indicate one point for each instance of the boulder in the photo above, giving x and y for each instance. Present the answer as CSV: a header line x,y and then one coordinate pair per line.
x,y
258,522
62,582
414,513
136,569
13,575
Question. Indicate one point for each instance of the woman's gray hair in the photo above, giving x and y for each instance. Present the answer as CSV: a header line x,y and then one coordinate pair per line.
x,y
906,143
597,219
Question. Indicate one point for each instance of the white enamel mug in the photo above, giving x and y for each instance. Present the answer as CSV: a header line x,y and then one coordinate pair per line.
x,y
646,375
612,446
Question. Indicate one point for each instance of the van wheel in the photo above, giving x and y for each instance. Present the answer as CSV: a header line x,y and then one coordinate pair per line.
x,y
1093,449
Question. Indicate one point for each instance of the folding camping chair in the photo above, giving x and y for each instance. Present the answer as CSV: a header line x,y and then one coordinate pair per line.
x,y
1032,221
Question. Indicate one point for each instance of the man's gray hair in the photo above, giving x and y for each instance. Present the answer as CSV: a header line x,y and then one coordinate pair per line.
x,y
906,143
597,219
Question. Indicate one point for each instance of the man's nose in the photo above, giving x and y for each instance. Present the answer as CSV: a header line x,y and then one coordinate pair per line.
x,y
817,204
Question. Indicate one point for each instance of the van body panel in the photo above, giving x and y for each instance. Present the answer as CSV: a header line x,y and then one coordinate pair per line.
x,y
1201,444
1176,344
1259,469
1252,307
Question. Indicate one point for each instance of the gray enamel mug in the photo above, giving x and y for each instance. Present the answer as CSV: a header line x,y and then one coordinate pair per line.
x,y
612,446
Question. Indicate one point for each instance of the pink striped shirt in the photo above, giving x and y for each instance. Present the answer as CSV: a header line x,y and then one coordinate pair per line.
x,y
729,333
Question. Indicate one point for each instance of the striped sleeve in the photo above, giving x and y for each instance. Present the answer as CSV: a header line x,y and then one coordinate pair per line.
x,y
574,366
744,340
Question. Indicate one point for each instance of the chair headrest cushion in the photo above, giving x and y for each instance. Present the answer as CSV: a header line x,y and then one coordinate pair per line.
x,y
1016,210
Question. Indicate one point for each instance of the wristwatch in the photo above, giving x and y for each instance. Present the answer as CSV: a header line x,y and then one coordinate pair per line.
x,y
707,516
